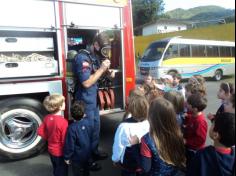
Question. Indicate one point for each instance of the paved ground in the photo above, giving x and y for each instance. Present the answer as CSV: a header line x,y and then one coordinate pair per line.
x,y
40,165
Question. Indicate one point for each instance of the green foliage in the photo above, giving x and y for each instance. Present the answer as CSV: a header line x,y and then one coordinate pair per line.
x,y
224,32
201,13
146,11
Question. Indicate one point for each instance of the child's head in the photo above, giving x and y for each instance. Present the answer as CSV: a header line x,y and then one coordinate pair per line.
x,y
176,79
177,99
195,88
54,103
138,107
77,110
167,79
196,103
166,132
229,105
225,90
223,129
197,79
148,79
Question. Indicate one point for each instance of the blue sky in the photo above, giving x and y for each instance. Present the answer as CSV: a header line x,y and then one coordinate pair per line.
x,y
186,4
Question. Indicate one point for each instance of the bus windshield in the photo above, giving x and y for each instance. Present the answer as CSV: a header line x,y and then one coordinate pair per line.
x,y
154,52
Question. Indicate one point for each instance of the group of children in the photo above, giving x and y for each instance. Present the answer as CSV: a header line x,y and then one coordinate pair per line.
x,y
67,145
164,130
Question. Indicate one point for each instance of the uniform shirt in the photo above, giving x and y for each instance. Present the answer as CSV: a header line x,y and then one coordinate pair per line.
x,y
213,161
84,68
152,163
195,131
78,142
53,129
122,136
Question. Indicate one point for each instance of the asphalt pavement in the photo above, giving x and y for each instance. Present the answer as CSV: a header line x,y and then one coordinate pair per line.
x,y
41,166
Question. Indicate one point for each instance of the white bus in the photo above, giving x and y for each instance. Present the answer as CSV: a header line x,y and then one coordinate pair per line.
x,y
188,57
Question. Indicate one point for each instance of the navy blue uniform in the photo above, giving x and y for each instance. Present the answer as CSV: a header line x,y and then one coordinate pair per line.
x,y
86,65
210,162
77,147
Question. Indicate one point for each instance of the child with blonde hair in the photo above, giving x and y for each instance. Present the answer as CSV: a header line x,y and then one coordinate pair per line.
x,y
53,130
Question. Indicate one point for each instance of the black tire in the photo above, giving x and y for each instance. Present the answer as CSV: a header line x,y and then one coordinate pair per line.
x,y
172,72
218,75
20,118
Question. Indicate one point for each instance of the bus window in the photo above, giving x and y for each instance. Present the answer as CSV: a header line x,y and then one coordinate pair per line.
x,y
198,51
233,51
172,51
212,51
154,51
225,51
184,50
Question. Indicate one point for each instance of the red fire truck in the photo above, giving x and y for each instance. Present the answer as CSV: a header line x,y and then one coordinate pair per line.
x,y
35,37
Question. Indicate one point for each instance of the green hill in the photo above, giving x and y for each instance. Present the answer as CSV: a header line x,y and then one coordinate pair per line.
x,y
224,32
201,13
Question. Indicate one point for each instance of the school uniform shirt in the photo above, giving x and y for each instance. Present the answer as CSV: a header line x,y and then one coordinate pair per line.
x,y
122,136
78,142
53,129
213,161
152,163
195,131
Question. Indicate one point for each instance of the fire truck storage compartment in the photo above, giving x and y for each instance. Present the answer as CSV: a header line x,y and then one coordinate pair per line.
x,y
28,54
82,38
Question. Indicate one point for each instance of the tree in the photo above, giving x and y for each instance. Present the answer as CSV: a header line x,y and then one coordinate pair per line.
x,y
146,11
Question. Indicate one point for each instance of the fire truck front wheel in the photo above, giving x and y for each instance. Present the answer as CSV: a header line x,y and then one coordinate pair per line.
x,y
19,121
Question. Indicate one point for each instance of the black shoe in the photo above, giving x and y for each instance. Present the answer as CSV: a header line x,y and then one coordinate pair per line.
x,y
94,167
100,156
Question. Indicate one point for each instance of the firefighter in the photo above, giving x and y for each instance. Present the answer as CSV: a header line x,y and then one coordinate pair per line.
x,y
88,69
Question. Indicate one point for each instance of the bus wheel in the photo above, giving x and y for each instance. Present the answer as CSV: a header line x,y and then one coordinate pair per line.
x,y
172,72
218,75
20,119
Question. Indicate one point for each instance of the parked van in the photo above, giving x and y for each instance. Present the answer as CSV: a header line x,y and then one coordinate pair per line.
x,y
188,57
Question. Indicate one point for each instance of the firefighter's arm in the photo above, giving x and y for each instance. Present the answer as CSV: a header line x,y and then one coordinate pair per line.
x,y
95,77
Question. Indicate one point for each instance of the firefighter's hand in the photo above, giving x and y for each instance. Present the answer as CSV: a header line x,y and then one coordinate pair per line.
x,y
106,65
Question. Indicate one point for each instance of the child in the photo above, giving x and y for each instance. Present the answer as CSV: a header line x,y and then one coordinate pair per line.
x,y
136,125
167,80
176,84
162,149
77,150
218,159
195,125
53,129
191,88
197,79
132,93
224,93
177,100
229,105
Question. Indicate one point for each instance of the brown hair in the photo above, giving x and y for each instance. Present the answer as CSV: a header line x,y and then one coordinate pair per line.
x,y
138,107
53,102
197,101
197,79
177,99
196,88
227,87
166,132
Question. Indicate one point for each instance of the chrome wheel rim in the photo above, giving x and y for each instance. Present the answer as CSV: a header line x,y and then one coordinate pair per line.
x,y
18,129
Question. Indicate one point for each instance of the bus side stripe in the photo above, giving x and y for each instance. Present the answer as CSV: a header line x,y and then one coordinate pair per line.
x,y
214,67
